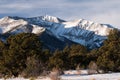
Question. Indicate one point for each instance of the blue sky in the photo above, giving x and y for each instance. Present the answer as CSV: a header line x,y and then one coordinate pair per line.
x,y
102,11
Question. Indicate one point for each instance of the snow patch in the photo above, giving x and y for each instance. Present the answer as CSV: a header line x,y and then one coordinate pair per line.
x,y
37,29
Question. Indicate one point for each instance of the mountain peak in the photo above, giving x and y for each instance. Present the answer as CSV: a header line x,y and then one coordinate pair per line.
x,y
6,18
8,24
52,19
81,31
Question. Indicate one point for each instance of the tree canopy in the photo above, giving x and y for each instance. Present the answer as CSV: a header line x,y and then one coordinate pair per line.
x,y
16,50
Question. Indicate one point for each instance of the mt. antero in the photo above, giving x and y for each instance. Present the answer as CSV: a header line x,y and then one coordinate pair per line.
x,y
55,32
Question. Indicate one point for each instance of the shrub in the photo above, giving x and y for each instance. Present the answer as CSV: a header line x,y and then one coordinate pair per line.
x,y
55,73
34,67
92,68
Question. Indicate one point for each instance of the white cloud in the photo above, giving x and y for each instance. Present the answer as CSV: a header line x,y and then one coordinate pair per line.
x,y
103,11
112,18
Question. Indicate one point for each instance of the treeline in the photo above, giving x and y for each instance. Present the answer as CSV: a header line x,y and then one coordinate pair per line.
x,y
107,57
23,54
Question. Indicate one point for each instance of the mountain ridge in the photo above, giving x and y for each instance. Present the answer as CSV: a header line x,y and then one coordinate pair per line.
x,y
81,31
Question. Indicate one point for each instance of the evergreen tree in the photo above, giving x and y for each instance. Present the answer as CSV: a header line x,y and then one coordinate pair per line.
x,y
77,56
109,60
18,49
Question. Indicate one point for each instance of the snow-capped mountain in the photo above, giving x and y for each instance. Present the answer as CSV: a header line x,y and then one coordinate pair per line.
x,y
80,31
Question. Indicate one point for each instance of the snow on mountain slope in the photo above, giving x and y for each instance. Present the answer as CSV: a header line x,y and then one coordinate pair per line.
x,y
37,29
52,19
44,20
80,31
11,25
99,29
7,24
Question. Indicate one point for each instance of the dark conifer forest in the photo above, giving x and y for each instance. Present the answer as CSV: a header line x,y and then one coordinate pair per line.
x,y
24,54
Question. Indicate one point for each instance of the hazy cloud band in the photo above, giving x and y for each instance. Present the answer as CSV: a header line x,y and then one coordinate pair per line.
x,y
102,11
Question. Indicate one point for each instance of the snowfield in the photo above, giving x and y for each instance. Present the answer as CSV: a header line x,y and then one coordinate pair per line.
x,y
73,75
109,76
20,78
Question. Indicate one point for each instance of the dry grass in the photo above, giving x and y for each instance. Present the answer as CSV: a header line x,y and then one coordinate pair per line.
x,y
92,79
54,75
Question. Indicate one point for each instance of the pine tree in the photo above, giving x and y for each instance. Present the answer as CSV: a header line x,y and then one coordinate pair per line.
x,y
109,60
